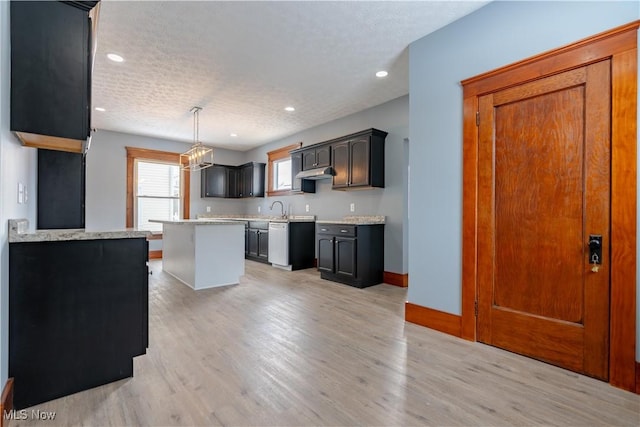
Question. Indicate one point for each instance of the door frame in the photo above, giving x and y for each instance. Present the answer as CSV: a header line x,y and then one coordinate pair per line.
x,y
620,46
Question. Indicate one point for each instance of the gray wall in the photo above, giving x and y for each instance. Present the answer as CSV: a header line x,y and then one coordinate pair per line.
x,y
496,35
107,178
391,117
17,164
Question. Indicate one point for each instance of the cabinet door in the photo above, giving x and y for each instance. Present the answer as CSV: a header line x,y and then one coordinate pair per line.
x,y
263,244
296,166
309,159
233,182
345,253
247,181
323,156
50,69
253,243
340,154
325,253
359,162
61,189
214,181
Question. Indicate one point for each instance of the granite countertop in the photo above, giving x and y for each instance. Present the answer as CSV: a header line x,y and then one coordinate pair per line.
x,y
18,233
199,221
356,220
289,218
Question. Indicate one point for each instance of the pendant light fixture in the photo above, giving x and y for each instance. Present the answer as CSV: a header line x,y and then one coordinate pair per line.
x,y
198,157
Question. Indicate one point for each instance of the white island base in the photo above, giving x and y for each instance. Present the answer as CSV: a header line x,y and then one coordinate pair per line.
x,y
203,254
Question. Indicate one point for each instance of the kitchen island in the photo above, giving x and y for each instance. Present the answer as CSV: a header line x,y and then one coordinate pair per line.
x,y
203,253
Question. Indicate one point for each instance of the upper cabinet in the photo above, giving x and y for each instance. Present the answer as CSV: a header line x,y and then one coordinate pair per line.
x,y
299,185
51,59
317,157
233,181
252,180
358,160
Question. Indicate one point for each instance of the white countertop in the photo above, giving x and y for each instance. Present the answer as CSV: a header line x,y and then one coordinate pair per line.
x,y
199,221
289,218
18,233
356,220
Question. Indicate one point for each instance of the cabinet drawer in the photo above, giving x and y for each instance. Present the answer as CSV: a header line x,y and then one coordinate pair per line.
x,y
337,230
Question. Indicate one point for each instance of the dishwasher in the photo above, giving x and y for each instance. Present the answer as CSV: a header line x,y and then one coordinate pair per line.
x,y
279,245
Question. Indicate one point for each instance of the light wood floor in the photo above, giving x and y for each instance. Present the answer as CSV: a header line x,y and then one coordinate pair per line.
x,y
287,348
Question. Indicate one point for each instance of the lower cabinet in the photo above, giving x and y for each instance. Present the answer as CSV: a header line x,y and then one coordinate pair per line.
x,y
79,314
257,242
351,254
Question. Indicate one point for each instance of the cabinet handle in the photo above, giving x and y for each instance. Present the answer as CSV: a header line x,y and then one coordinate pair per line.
x,y
324,229
344,231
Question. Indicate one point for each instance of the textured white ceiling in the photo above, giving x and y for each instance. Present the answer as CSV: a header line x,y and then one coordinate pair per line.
x,y
243,62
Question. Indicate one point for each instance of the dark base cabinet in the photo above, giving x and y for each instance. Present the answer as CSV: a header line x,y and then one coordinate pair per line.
x,y
351,254
78,314
257,241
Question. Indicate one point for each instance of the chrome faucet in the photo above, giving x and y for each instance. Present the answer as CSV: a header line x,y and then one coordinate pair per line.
x,y
282,215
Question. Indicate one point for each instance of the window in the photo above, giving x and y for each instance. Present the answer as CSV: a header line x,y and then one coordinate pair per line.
x,y
162,189
157,194
279,175
282,174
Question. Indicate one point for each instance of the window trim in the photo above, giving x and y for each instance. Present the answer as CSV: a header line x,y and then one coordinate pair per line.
x,y
143,154
279,154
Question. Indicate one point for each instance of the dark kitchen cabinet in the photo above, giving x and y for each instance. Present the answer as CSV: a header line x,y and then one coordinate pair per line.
x,y
317,157
51,73
252,180
358,160
79,314
61,190
300,185
214,181
258,241
351,254
233,181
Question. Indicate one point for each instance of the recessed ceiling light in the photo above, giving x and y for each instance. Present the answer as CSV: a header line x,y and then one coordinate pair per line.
x,y
233,135
382,74
289,109
114,57
99,109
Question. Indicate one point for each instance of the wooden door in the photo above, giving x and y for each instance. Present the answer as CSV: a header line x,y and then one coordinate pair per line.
x,y
543,188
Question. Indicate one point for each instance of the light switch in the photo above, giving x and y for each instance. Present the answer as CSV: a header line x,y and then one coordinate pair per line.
x,y
306,208
208,208
20,193
352,207
259,209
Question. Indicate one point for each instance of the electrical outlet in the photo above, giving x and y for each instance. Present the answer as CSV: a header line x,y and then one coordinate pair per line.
x,y
352,207
208,208
259,209
306,208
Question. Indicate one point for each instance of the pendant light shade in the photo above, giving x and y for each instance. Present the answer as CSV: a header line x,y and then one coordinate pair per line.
x,y
198,157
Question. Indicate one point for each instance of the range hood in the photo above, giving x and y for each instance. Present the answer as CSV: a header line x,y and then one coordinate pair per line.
x,y
318,173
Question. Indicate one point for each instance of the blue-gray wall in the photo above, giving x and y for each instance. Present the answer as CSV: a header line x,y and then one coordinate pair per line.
x,y
495,35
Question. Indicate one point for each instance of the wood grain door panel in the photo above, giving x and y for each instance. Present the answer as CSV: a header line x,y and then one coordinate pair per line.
x,y
544,185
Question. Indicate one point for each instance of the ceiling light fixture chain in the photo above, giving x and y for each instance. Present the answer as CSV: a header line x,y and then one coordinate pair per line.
x,y
198,157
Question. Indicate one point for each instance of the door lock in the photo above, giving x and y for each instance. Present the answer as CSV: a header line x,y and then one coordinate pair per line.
x,y
595,249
